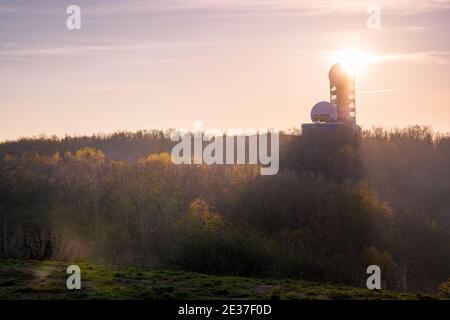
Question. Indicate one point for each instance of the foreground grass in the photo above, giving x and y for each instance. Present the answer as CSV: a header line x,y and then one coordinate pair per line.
x,y
47,280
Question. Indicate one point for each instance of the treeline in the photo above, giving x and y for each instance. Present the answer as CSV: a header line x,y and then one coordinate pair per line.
x,y
117,146
340,203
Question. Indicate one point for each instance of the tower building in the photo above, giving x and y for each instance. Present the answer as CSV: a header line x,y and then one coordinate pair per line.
x,y
342,93
341,110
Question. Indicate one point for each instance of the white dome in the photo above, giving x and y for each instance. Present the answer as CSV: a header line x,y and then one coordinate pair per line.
x,y
324,112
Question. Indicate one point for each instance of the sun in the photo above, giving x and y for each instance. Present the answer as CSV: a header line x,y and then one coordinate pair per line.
x,y
354,61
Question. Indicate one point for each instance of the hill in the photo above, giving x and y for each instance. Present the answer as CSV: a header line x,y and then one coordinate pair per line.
x,y
339,203
46,280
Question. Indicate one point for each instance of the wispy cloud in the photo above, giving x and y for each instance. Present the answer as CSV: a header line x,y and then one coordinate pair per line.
x,y
377,91
406,28
424,57
124,87
9,9
166,61
266,7
418,57
54,51
141,8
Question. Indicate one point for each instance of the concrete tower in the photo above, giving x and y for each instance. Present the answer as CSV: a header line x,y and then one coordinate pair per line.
x,y
341,110
342,93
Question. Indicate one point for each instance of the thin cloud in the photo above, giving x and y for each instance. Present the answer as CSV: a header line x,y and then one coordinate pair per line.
x,y
167,61
86,49
9,9
222,8
124,87
420,57
423,57
377,91
411,29
263,7
24,59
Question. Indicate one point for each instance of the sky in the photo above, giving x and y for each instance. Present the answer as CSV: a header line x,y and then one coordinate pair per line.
x,y
263,64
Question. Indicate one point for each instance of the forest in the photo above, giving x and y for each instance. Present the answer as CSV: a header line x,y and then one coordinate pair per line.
x,y
339,203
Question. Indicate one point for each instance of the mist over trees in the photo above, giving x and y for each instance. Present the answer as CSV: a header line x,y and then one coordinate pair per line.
x,y
339,203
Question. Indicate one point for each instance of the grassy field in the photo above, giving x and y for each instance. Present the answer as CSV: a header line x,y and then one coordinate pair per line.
x,y
47,280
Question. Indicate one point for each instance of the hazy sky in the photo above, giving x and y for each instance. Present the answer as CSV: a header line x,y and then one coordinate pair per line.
x,y
229,63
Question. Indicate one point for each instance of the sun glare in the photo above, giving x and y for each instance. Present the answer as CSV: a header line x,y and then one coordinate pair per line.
x,y
354,61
